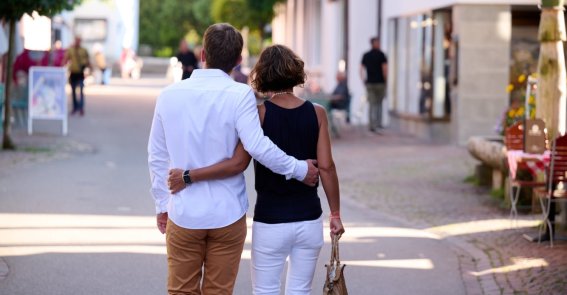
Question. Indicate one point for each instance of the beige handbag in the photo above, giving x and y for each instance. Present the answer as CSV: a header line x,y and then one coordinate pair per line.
x,y
335,281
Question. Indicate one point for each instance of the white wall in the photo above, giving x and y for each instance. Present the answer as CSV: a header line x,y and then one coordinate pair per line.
x,y
484,52
363,25
395,8
122,28
332,42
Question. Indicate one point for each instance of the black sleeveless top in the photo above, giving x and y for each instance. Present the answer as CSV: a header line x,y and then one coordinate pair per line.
x,y
295,131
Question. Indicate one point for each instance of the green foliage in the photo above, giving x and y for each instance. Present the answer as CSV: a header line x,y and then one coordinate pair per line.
x,y
497,193
163,23
255,43
552,3
472,179
234,12
254,14
164,52
14,9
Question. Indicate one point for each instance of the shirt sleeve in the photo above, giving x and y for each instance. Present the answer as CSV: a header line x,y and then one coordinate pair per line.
x,y
259,146
158,162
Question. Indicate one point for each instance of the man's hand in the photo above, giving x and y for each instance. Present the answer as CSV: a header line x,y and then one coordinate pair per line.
x,y
312,176
175,181
161,219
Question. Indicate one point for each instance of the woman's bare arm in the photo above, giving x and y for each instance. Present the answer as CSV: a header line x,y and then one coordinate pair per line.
x,y
328,171
238,163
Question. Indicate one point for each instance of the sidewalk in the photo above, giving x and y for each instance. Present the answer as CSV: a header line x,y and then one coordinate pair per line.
x,y
415,184
423,185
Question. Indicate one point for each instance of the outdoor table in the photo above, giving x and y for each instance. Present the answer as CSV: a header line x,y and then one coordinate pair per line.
x,y
535,163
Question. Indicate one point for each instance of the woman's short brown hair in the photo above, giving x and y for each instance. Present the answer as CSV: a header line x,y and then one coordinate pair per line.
x,y
223,46
278,68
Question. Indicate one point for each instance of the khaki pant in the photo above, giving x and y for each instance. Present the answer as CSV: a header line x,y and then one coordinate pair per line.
x,y
375,93
210,254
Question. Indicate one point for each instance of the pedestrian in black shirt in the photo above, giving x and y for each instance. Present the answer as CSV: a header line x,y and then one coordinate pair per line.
x,y
374,71
187,59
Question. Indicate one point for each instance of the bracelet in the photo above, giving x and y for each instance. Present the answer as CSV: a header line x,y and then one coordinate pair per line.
x,y
335,215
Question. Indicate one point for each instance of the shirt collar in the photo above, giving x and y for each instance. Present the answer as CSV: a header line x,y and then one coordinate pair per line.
x,y
201,73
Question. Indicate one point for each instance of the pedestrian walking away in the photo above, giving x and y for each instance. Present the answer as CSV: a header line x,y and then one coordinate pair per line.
x,y
205,225
77,59
374,72
187,59
288,214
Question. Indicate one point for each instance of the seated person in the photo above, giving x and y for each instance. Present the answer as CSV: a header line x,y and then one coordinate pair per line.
x,y
340,98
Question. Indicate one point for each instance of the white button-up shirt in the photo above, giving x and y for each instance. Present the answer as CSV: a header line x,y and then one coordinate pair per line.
x,y
197,123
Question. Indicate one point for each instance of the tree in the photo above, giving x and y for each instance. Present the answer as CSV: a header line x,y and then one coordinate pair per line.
x,y
255,14
11,11
163,23
262,13
550,100
234,12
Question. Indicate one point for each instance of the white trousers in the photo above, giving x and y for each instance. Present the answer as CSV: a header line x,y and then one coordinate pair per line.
x,y
273,243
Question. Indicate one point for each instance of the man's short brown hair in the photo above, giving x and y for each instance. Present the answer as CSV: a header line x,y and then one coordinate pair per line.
x,y
223,45
278,68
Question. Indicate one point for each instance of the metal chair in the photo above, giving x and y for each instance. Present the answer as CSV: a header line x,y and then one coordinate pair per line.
x,y
514,141
554,190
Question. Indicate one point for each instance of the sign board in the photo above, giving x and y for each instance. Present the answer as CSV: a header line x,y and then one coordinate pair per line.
x,y
534,136
47,97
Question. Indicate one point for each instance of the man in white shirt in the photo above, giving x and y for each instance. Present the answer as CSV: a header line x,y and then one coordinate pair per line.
x,y
198,122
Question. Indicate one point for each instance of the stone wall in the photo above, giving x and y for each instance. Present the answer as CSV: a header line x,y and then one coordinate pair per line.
x,y
484,34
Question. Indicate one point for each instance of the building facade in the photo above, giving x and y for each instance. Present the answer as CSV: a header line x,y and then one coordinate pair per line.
x,y
450,62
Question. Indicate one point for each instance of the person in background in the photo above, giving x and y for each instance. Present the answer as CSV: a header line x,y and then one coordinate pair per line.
x,y
374,72
187,59
238,75
100,62
130,64
77,58
24,61
57,55
340,98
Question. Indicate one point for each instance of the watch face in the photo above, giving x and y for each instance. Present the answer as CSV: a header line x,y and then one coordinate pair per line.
x,y
186,178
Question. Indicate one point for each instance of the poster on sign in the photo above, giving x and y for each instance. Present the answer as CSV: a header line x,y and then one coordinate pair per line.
x,y
47,98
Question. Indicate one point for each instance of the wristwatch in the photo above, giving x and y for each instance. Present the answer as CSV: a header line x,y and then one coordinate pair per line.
x,y
186,177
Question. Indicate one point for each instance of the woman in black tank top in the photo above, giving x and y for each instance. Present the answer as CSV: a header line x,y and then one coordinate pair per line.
x,y
288,215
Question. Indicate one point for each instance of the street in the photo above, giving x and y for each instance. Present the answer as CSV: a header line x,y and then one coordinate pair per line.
x,y
79,218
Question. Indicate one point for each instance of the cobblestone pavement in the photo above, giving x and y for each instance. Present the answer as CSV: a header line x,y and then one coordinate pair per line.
x,y
423,185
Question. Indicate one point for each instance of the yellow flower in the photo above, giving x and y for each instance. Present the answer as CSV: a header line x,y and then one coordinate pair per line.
x,y
520,112
531,100
509,88
522,78
511,113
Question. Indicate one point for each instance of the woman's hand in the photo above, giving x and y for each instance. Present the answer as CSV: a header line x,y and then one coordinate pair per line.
x,y
175,181
336,226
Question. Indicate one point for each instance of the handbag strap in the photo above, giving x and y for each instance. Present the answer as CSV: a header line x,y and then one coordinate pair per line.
x,y
335,249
